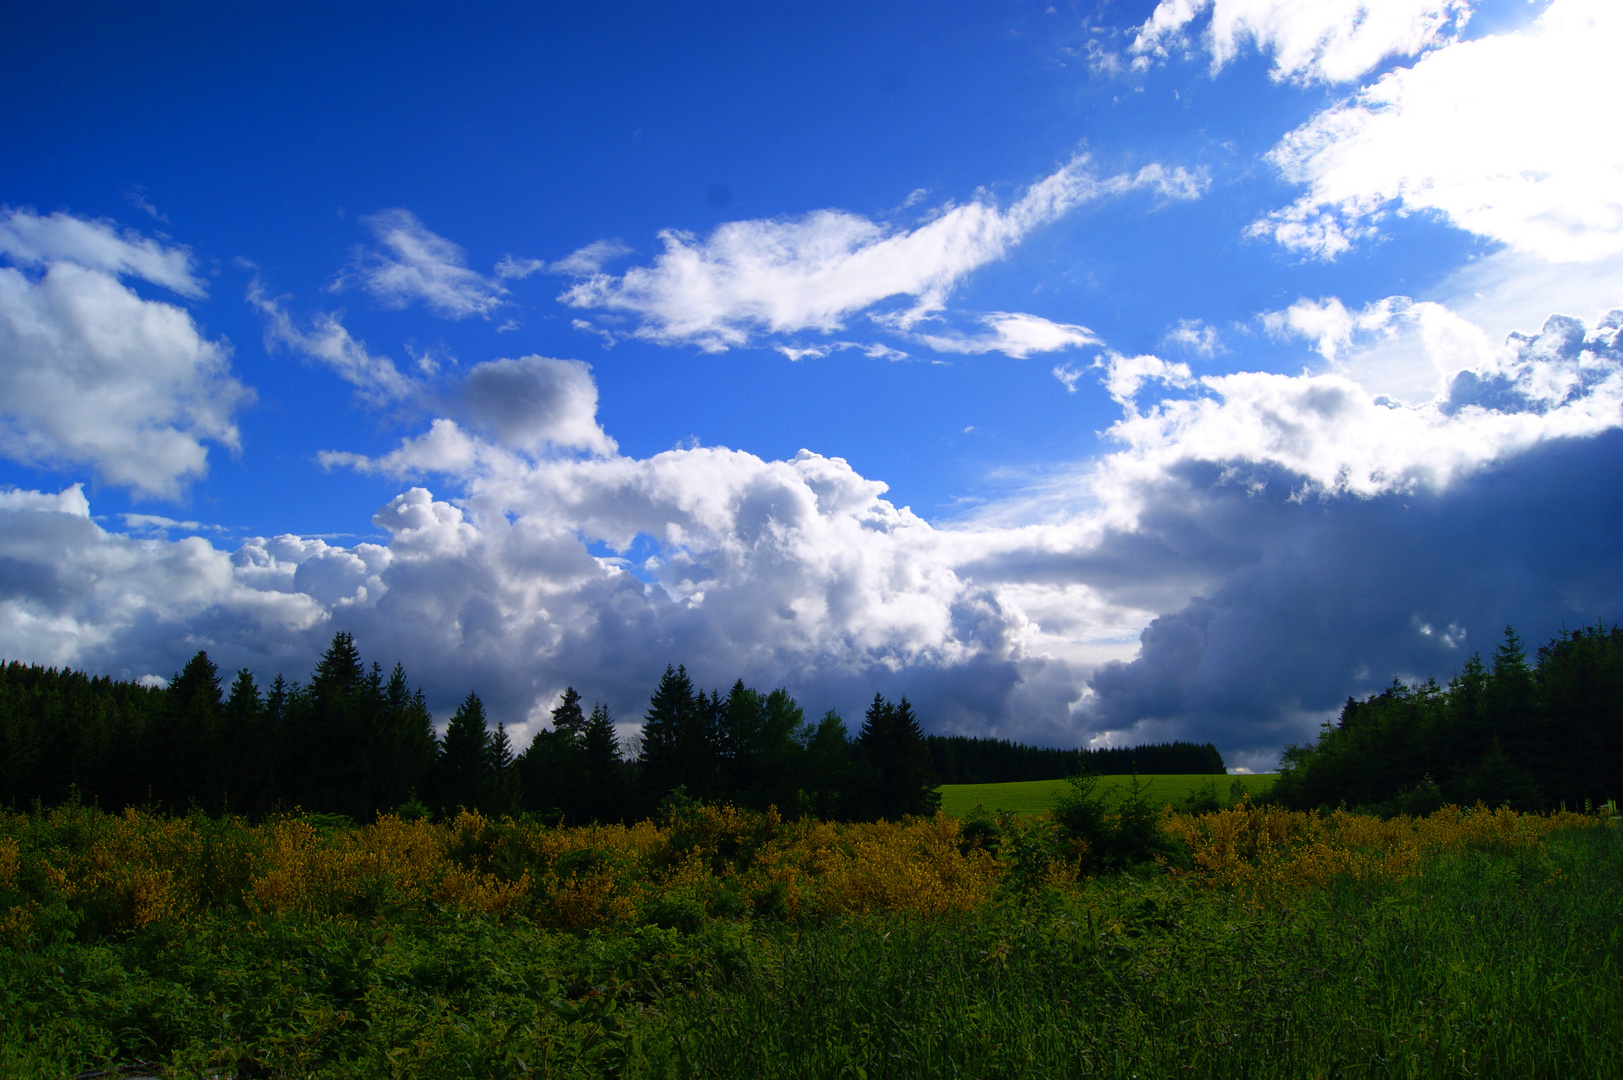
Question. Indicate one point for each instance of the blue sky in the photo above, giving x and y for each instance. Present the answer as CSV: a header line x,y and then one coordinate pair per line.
x,y
1087,372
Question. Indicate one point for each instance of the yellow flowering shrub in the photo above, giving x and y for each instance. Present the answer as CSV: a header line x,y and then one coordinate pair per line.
x,y
1269,853
134,870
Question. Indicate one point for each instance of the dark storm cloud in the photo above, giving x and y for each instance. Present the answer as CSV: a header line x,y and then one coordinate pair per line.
x,y
1347,593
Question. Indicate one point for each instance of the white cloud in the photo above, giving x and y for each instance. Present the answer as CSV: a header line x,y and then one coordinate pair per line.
x,y
813,272
1341,438
1126,375
94,374
137,197
376,379
536,400
1310,40
40,242
158,523
417,264
590,259
1196,336
1015,334
1497,136
1069,376
445,448
873,350
1393,346
508,267
1272,536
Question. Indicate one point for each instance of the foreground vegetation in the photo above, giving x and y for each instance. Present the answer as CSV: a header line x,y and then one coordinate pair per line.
x,y
1261,942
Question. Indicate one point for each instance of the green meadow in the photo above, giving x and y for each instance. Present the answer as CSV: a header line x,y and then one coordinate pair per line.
x,y
1036,796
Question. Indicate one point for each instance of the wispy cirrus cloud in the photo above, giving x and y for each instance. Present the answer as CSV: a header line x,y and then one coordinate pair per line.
x,y
1014,334
1197,336
749,278
873,350
376,379
414,264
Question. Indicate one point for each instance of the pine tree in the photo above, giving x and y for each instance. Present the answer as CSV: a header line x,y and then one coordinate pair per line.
x,y
830,790
605,772
892,744
403,745
247,753
464,774
676,750
186,761
567,718
503,780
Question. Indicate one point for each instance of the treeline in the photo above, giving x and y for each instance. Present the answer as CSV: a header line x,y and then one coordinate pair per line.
x,y
960,759
357,742
1533,734
352,740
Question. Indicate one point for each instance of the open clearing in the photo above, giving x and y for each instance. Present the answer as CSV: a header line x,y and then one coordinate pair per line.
x,y
1035,796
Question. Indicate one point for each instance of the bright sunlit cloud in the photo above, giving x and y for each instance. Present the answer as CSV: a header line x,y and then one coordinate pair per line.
x,y
1323,40
814,272
1496,136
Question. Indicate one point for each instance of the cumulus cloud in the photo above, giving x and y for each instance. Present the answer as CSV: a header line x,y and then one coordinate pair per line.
x,y
1336,597
416,264
1126,375
1014,334
1310,40
376,380
30,240
536,400
1496,136
96,375
1254,548
1393,346
1339,439
815,271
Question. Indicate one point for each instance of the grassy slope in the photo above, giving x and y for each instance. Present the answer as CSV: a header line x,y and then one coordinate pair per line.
x,y
1035,796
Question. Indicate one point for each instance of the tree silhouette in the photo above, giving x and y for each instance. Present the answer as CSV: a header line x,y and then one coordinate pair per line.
x,y
464,774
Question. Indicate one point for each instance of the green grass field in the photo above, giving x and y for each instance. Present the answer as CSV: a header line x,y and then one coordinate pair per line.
x,y
1035,796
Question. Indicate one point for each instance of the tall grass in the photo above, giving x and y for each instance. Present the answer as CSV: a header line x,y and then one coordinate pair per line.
x,y
1484,963
1468,943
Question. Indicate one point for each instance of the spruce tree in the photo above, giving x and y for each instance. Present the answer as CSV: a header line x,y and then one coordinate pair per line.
x,y
667,734
247,753
605,772
503,780
892,744
464,773
403,743
567,718
327,758
186,763
830,788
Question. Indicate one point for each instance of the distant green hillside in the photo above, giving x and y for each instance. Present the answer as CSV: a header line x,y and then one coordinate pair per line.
x,y
1035,796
